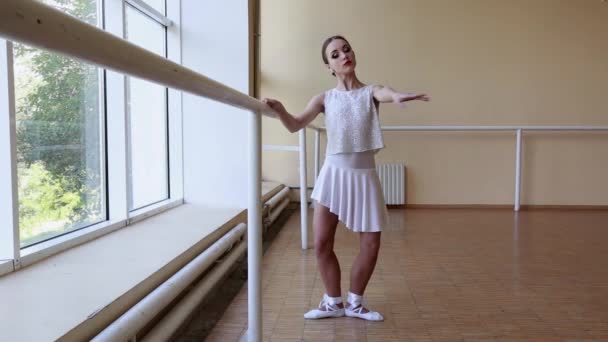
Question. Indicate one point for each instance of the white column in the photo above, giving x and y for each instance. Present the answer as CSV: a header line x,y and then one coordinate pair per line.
x,y
9,203
116,141
303,190
176,123
254,231
518,170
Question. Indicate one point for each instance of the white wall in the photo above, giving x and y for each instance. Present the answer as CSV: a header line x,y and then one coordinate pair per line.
x,y
483,62
215,43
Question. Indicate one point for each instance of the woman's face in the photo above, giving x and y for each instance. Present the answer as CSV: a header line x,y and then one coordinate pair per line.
x,y
341,57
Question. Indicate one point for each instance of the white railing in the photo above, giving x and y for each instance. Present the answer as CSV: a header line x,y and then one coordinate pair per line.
x,y
518,146
518,154
36,24
301,149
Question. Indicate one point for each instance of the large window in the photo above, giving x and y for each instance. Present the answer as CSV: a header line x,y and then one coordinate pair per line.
x,y
59,123
83,150
147,118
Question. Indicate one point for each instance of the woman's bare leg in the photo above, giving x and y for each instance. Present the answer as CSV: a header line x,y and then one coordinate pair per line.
x,y
324,226
365,262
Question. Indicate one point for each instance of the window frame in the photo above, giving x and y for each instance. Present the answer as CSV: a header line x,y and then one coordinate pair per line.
x,y
114,151
9,203
130,200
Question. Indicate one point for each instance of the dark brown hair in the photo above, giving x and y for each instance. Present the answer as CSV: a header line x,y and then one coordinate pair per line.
x,y
327,41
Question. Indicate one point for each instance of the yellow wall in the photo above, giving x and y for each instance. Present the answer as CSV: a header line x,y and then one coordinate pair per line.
x,y
484,62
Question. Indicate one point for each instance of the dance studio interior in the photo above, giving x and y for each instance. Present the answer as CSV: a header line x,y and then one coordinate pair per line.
x,y
167,170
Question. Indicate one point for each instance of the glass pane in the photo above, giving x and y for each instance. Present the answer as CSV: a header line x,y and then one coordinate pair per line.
x,y
158,5
147,110
59,140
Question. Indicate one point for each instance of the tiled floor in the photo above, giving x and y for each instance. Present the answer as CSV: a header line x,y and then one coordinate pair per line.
x,y
448,275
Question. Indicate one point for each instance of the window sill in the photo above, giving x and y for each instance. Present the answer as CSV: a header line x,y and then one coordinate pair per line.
x,y
48,248
74,294
6,266
153,209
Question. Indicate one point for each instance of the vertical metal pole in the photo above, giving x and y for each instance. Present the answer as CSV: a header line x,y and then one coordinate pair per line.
x,y
303,190
254,231
317,153
518,170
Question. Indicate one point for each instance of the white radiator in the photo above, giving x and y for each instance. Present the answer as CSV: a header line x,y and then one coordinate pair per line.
x,y
392,178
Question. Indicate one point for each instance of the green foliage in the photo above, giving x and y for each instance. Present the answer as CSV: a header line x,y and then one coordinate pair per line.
x,y
52,117
44,201
57,109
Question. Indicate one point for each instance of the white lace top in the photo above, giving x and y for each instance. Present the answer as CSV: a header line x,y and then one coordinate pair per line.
x,y
352,121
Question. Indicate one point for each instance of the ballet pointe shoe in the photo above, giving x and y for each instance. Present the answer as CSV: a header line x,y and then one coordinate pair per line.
x,y
355,308
328,308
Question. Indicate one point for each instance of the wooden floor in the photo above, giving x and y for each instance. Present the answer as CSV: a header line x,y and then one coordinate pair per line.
x,y
448,275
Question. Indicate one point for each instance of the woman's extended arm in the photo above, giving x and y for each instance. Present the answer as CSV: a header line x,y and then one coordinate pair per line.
x,y
295,123
387,94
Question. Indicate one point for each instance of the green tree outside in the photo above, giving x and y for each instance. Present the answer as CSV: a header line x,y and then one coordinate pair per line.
x,y
58,137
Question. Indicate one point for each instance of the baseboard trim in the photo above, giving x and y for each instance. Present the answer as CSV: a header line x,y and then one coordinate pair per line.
x,y
295,203
564,207
396,206
499,206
